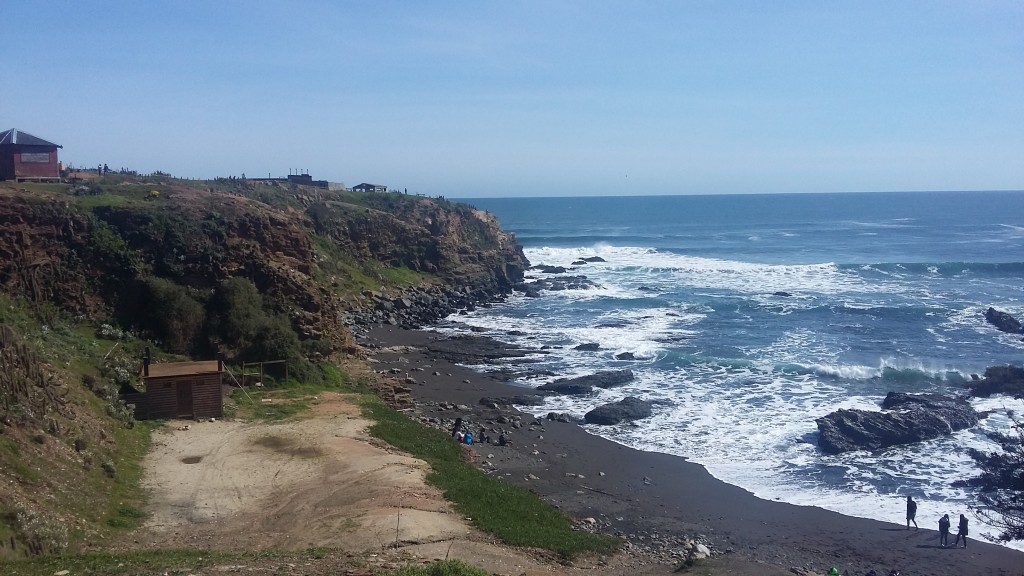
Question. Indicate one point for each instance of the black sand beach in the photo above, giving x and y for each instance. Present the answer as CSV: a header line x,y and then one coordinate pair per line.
x,y
655,500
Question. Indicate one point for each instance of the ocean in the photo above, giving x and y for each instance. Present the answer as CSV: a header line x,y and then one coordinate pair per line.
x,y
751,315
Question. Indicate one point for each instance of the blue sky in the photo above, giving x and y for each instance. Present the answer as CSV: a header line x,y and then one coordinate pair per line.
x,y
487,98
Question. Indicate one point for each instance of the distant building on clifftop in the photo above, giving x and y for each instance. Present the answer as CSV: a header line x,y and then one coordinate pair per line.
x,y
364,187
27,157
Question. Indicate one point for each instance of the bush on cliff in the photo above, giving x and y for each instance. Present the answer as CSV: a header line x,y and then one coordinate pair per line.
x,y
235,313
173,316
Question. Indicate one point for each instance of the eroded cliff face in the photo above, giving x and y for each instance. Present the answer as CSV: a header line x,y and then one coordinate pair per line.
x,y
313,255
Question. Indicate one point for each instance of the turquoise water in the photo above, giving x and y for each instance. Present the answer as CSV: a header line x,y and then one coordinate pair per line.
x,y
753,315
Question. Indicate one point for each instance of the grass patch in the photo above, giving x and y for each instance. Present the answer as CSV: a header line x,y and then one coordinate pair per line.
x,y
444,568
101,564
511,513
126,517
290,399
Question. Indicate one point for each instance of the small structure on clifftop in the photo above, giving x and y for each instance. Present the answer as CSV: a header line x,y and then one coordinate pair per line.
x,y
27,157
364,187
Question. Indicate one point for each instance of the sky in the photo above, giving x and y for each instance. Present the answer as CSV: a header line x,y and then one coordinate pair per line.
x,y
521,98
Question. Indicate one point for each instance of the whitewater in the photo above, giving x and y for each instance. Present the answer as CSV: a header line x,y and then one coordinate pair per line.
x,y
750,316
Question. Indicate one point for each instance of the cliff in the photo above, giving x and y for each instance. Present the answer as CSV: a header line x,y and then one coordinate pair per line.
x,y
318,258
93,273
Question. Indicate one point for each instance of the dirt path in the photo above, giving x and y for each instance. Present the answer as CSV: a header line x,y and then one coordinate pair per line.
x,y
319,481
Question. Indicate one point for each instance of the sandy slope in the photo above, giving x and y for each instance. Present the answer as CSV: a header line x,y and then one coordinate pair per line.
x,y
319,481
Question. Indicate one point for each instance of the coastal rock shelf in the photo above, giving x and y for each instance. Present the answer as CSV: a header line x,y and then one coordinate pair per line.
x,y
626,410
910,418
586,384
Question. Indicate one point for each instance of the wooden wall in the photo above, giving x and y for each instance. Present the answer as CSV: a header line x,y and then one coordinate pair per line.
x,y
165,399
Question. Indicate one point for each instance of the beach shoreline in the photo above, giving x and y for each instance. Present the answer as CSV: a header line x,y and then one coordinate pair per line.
x,y
656,501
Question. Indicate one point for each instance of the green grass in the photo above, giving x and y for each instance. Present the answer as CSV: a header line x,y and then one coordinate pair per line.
x,y
445,568
511,513
126,517
289,399
105,199
101,564
194,561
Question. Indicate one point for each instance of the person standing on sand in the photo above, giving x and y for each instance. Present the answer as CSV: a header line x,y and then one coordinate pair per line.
x,y
911,512
961,531
944,530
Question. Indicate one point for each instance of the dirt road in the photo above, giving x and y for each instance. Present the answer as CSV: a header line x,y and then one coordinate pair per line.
x,y
317,481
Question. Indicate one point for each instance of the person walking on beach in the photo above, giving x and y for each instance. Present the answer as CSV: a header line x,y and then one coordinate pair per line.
x,y
944,530
961,531
911,512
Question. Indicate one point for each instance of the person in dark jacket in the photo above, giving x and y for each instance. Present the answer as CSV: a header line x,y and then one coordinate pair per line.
x,y
944,530
961,531
911,512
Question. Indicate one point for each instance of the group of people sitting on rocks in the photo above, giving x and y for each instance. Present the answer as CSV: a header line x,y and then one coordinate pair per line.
x,y
464,436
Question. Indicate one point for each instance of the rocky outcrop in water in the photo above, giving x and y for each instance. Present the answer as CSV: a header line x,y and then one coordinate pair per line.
x,y
586,384
1003,321
626,410
909,418
1007,380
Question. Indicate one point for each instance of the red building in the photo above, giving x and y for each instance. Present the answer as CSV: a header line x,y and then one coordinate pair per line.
x,y
27,157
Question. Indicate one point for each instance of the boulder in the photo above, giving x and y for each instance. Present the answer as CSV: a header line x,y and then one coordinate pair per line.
x,y
586,384
588,347
520,400
594,259
628,409
561,417
625,356
909,418
1007,380
1003,321
568,387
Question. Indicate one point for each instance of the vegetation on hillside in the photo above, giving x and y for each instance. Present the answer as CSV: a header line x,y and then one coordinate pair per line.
x,y
93,273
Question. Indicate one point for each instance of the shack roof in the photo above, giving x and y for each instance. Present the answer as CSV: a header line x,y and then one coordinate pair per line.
x,y
165,369
15,136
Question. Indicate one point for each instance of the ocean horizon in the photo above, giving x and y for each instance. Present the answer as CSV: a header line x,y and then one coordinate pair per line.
x,y
751,315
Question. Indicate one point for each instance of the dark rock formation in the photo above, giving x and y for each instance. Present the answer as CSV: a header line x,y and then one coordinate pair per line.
x,y
625,356
550,269
473,349
568,387
910,418
628,409
561,417
588,347
1003,321
521,400
555,284
586,384
307,251
593,259
999,380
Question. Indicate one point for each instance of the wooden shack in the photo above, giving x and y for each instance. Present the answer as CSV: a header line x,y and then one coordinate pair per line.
x,y
180,390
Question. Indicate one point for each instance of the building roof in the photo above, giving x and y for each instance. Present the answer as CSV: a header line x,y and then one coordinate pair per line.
x,y
15,136
366,185
164,369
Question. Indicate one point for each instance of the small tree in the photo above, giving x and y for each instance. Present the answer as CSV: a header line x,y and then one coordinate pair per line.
x,y
1001,483
174,316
